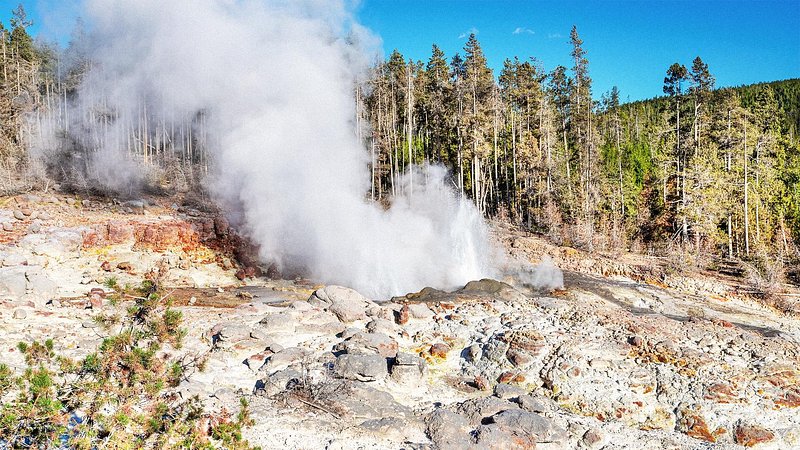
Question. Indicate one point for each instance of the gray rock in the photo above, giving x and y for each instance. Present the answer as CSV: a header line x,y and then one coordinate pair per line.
x,y
524,423
478,409
19,215
278,323
448,430
535,404
369,343
379,325
13,281
278,381
8,226
419,311
346,303
361,367
495,437
285,358
474,352
20,313
507,391
394,428
360,400
137,206
349,312
408,369
495,350
14,259
225,335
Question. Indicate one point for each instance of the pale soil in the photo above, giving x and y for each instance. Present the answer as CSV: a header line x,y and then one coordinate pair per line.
x,y
644,357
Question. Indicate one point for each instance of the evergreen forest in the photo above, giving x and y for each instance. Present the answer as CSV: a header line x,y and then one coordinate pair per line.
x,y
705,172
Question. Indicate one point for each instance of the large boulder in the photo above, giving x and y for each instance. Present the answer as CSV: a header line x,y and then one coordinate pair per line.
x,y
361,367
347,304
448,430
409,369
369,343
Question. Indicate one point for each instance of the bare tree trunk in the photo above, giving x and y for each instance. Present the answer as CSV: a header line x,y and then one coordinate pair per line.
x,y
746,189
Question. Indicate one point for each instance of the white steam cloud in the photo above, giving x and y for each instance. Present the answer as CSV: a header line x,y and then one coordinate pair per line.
x,y
268,87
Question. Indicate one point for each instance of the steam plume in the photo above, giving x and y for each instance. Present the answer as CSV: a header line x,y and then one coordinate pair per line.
x,y
272,84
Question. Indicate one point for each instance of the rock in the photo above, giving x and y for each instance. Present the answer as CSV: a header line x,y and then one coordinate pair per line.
x,y
278,381
439,350
285,357
408,369
403,315
448,430
278,323
19,215
105,266
496,437
593,438
361,367
478,409
750,435
419,311
473,353
481,383
378,325
507,391
495,350
13,281
348,312
224,335
125,265
356,399
14,259
369,343
136,206
34,227
20,314
525,424
534,404
347,304
393,428
8,226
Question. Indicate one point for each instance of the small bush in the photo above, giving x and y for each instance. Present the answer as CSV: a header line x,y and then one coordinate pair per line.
x,y
116,397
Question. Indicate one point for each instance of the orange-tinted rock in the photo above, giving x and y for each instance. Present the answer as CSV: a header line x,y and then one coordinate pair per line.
x,y
119,231
439,350
506,377
750,435
221,226
481,383
721,393
790,398
402,315
105,266
695,426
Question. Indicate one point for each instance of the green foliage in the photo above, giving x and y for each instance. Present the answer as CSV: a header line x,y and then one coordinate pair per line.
x,y
116,397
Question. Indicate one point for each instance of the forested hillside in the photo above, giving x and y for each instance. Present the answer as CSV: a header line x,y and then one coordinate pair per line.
x,y
701,171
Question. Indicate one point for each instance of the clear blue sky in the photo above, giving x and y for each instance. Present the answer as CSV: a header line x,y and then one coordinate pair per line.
x,y
629,43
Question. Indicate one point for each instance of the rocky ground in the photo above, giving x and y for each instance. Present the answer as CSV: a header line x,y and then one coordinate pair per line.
x,y
627,356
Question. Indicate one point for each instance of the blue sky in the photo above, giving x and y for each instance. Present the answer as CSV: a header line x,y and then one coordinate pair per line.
x,y
629,43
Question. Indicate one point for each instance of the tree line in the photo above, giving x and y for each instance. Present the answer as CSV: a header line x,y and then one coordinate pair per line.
x,y
700,171
704,171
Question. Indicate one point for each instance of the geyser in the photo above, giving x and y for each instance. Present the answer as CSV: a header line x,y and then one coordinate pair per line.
x,y
272,84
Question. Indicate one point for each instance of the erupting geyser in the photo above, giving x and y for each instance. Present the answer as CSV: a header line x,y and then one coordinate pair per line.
x,y
272,84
